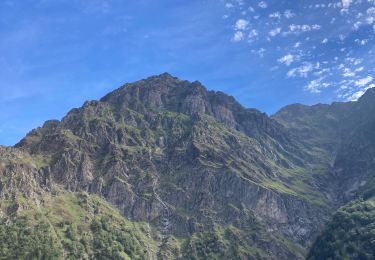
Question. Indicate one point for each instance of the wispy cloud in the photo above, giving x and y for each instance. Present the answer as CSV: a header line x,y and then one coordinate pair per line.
x,y
238,36
346,3
363,81
241,24
263,4
326,45
287,59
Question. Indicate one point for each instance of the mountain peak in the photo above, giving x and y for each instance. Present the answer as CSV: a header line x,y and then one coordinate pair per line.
x,y
165,76
155,84
167,92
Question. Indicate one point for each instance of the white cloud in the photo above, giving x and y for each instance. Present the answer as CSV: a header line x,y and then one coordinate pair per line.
x,y
361,42
364,81
274,32
359,69
301,71
240,2
288,14
316,85
370,20
354,61
320,72
241,24
316,27
313,86
253,35
229,5
260,52
346,3
262,5
237,36
299,28
320,46
356,25
348,73
287,59
275,15
356,95
371,10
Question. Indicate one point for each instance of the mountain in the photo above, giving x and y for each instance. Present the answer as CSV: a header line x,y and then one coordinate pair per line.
x,y
343,133
165,169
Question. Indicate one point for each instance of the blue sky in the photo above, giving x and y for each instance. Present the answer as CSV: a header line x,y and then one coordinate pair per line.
x,y
55,54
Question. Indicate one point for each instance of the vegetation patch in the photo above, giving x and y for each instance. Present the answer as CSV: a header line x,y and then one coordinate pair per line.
x,y
350,234
73,226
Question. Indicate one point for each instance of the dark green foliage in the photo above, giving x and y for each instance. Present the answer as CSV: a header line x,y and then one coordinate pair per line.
x,y
18,240
74,246
205,245
350,235
226,243
110,242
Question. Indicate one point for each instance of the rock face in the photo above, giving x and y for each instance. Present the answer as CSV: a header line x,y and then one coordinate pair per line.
x,y
20,175
195,163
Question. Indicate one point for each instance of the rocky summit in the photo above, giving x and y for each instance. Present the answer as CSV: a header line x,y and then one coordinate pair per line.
x,y
165,169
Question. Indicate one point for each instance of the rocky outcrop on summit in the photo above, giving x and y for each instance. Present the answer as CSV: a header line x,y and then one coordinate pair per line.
x,y
169,93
